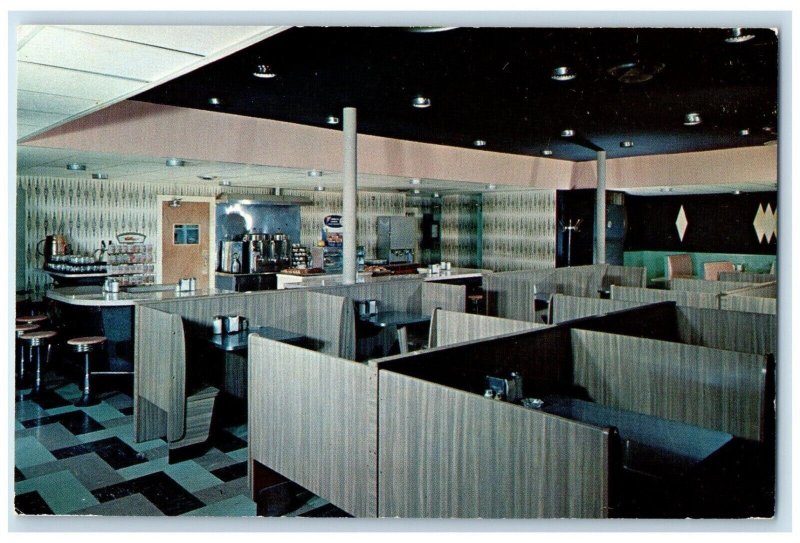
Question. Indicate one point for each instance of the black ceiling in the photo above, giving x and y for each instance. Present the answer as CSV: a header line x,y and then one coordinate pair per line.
x,y
494,84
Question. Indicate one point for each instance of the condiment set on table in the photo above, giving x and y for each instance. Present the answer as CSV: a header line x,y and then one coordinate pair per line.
x,y
229,324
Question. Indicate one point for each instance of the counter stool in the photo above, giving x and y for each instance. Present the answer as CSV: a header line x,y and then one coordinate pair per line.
x,y
32,319
87,345
35,341
20,356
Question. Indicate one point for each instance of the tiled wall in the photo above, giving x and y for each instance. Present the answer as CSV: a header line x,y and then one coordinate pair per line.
x,y
519,230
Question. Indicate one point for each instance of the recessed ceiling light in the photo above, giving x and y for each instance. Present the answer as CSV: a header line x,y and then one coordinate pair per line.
x,y
75,167
421,102
207,177
314,173
737,35
99,176
264,72
332,119
666,189
744,132
479,143
415,181
768,129
626,143
547,152
692,119
214,101
225,183
435,194
319,188
737,192
563,73
567,133
175,162
415,191
491,186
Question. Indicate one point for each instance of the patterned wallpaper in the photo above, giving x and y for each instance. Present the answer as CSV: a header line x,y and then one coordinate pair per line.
x,y
459,230
88,210
519,230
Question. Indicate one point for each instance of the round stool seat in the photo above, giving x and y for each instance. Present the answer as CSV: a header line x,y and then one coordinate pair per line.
x,y
87,343
31,319
475,297
25,328
38,337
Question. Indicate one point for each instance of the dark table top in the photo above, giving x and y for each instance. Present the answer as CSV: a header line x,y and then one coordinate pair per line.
x,y
238,341
650,444
395,318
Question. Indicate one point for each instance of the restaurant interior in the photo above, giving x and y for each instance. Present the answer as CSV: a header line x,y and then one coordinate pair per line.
x,y
475,272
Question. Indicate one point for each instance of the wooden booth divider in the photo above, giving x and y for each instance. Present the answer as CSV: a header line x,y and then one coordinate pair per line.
x,y
703,285
747,277
449,327
711,388
649,295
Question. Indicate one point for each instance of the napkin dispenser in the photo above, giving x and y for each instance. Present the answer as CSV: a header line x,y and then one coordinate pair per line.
x,y
501,388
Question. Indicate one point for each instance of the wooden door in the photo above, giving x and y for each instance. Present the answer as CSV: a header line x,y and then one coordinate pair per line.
x,y
185,242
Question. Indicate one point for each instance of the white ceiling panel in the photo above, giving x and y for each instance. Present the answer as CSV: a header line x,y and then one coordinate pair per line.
x,y
24,129
38,78
102,55
52,103
196,39
37,118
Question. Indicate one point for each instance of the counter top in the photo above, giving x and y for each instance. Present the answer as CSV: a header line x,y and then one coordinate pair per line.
x,y
93,296
298,281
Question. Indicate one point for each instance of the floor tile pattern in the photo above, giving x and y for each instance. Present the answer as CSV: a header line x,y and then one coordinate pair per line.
x,y
84,461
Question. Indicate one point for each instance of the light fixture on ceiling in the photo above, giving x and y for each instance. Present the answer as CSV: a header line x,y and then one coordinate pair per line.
x,y
75,167
491,186
479,143
429,29
314,173
692,119
415,181
744,132
175,202
737,192
214,101
547,152
768,129
435,194
626,144
319,188
263,71
737,35
175,163
415,191
563,73
567,133
666,189
331,119
99,176
421,102
207,177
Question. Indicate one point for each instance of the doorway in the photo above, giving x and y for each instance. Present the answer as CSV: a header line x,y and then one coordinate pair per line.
x,y
186,234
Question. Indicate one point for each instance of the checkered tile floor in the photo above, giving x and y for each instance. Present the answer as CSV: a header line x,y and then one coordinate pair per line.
x,y
84,461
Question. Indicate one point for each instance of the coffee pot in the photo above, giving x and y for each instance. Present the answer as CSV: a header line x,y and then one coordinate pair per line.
x,y
55,244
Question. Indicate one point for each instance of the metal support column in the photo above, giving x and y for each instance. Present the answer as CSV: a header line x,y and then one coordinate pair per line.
x,y
349,198
600,211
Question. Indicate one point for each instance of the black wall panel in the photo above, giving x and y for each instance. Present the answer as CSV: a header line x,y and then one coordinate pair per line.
x,y
717,223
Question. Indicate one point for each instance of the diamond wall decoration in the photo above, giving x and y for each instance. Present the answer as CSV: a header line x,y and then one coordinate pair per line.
x,y
681,223
766,223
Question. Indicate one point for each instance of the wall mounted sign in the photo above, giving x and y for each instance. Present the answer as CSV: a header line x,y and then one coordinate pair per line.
x,y
766,223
